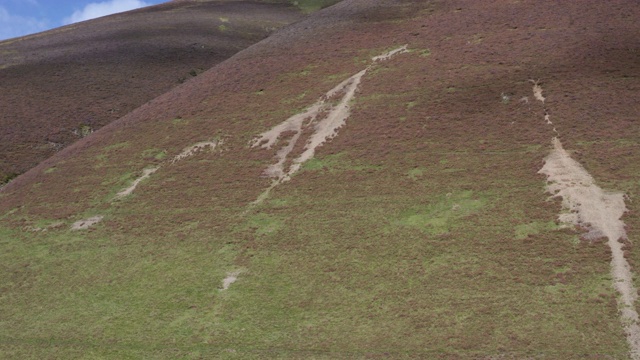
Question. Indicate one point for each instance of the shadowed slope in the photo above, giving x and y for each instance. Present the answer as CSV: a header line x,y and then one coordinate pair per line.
x,y
60,85
421,228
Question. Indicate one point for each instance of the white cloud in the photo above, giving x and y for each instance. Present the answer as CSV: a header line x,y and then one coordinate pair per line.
x,y
98,9
12,25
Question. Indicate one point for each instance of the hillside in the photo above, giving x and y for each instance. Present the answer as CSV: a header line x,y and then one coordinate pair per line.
x,y
383,179
60,85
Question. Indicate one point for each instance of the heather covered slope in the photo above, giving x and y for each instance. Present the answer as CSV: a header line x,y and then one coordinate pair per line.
x,y
421,227
60,85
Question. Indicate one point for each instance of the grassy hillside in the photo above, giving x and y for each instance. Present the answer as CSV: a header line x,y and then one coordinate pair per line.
x,y
419,228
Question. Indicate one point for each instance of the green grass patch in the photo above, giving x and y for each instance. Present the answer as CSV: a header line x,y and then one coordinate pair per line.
x,y
116,146
439,217
6,178
154,153
309,6
416,173
524,230
264,224
179,121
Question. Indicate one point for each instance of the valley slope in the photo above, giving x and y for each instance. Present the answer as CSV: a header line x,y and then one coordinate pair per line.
x,y
58,86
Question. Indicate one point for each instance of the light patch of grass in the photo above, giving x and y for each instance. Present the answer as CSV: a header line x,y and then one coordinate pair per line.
x,y
307,70
116,146
115,184
294,99
335,77
309,6
439,217
416,173
522,231
264,224
154,153
425,53
179,121
278,202
223,28
421,52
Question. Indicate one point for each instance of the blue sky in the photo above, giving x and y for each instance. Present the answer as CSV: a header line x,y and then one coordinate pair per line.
x,y
22,17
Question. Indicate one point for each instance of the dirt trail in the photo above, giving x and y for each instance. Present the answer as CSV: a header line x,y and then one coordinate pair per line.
x,y
195,148
187,152
86,223
230,279
537,90
324,128
600,212
145,174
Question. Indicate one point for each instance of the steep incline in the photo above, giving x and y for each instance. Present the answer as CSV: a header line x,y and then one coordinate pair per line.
x,y
61,85
400,145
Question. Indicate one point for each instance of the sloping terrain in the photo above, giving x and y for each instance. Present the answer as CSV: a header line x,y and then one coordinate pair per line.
x,y
384,179
60,85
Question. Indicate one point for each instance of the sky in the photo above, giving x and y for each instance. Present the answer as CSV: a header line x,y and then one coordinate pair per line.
x,y
23,17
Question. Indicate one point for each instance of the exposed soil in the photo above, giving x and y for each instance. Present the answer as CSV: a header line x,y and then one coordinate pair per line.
x,y
187,152
195,148
599,212
323,117
128,190
86,223
336,270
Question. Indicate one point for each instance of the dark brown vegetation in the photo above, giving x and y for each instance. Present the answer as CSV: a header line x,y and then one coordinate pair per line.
x,y
60,85
422,230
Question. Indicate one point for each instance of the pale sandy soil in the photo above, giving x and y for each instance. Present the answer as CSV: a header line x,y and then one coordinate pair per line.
x,y
599,211
324,127
86,223
195,148
145,174
230,279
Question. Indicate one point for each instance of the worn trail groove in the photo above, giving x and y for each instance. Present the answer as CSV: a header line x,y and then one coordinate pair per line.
x,y
599,211
187,152
128,190
324,128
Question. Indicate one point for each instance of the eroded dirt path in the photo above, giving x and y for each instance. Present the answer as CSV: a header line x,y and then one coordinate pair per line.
x,y
323,117
599,211
195,148
186,152
230,279
128,190
86,223
146,173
